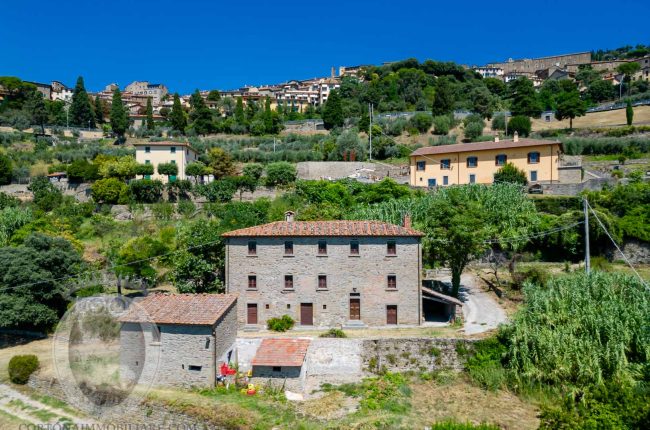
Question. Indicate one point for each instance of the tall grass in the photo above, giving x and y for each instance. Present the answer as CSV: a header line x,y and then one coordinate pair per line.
x,y
581,330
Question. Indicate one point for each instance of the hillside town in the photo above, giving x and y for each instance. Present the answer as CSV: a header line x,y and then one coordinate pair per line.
x,y
410,244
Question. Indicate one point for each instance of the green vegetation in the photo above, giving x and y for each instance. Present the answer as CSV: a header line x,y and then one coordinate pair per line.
x,y
280,324
21,368
511,174
335,333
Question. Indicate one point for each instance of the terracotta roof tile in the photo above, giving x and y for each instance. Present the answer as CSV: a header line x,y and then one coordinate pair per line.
x,y
281,352
325,229
185,309
480,146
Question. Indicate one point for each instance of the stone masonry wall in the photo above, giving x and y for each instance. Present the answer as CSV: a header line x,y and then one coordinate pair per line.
x,y
411,354
365,275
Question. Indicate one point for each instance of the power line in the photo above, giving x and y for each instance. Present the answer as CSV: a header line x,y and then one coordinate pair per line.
x,y
616,245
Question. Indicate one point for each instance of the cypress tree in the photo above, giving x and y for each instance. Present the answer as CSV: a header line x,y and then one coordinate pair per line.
x,y
38,110
99,111
333,111
629,112
200,115
177,116
239,112
119,117
81,112
150,125
268,116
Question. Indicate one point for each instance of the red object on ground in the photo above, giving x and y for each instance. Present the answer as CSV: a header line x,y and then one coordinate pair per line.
x,y
226,370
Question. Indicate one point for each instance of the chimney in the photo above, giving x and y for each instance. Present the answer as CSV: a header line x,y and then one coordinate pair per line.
x,y
406,222
496,138
515,137
288,216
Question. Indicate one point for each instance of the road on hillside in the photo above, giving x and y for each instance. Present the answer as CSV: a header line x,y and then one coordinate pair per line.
x,y
480,310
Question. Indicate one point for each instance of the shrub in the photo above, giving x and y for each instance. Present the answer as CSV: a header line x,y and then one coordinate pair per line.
x,y
108,190
163,211
601,263
499,122
521,124
484,363
146,190
441,124
218,191
280,173
473,130
510,174
421,121
280,324
334,332
21,368
186,207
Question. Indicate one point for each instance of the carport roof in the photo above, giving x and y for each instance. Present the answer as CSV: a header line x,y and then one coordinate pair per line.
x,y
281,352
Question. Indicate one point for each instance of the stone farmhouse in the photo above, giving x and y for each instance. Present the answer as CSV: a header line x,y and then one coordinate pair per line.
x,y
476,163
325,273
177,340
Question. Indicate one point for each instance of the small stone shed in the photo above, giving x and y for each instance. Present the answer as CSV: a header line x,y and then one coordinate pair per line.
x,y
281,358
177,340
438,306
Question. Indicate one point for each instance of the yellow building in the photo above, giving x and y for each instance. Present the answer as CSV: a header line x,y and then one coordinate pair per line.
x,y
469,163
165,152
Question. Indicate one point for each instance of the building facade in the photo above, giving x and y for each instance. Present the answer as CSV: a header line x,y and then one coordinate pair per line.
x,y
177,340
144,88
476,163
325,273
532,65
156,153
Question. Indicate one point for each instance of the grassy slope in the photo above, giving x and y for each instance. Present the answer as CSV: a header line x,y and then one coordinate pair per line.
x,y
597,119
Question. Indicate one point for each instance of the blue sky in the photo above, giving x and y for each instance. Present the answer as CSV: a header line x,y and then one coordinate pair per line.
x,y
190,44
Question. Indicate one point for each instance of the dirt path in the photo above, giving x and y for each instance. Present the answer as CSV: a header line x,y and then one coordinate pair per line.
x,y
481,311
32,411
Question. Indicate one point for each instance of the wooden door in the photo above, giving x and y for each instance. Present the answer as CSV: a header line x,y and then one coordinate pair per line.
x,y
391,314
252,313
355,309
306,314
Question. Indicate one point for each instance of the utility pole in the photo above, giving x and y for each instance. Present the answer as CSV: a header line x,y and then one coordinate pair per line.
x,y
274,144
587,257
370,130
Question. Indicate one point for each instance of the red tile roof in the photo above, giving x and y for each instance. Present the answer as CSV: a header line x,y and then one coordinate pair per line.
x,y
281,352
481,146
184,309
325,228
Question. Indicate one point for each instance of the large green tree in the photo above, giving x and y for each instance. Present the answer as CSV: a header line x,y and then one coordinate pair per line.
x,y
99,110
200,115
6,169
444,98
177,116
332,112
33,279
119,115
221,163
570,105
81,111
38,110
524,98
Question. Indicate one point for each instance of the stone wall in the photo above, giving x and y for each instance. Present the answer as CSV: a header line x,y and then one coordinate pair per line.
x,y
411,354
363,275
637,252
577,188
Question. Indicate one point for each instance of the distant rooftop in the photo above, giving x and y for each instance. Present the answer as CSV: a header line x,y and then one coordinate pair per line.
x,y
281,352
481,146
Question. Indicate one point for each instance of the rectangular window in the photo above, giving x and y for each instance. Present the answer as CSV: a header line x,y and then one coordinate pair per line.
x,y
147,161
252,282
195,368
533,157
421,165
472,179
322,247
445,164
472,161
392,281
533,176
252,247
322,282
147,149
431,182
277,368
173,161
354,247
172,150
445,180
391,248
288,282
500,160
288,247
